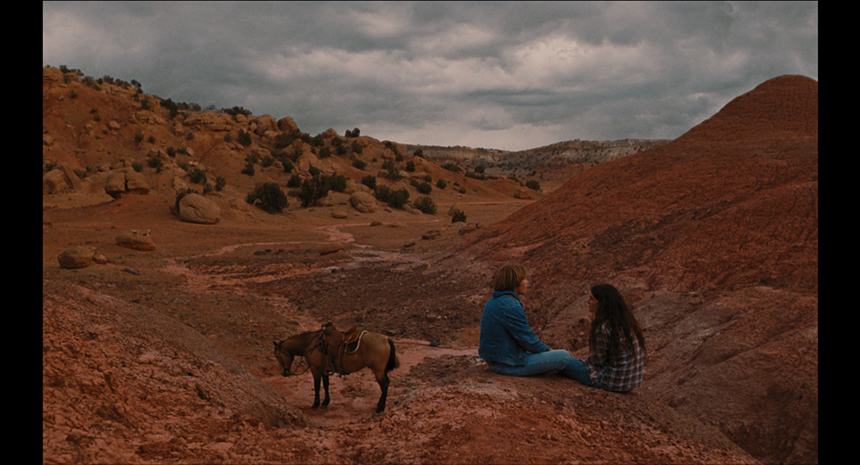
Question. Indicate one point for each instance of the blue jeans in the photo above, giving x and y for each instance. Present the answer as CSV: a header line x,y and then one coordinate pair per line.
x,y
545,362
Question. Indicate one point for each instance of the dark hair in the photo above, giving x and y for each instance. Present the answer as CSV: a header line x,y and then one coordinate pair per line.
x,y
509,277
612,311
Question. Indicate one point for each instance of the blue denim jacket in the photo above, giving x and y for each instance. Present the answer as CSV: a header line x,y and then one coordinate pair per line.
x,y
505,333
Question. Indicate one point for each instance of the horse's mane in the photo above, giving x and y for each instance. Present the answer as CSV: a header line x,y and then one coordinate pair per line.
x,y
304,334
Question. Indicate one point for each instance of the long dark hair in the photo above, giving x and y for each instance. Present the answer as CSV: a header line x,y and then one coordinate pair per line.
x,y
612,311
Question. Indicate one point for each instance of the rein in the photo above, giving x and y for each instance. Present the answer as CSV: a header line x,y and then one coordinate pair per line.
x,y
303,366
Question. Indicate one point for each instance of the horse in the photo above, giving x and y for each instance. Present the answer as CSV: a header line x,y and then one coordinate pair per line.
x,y
375,351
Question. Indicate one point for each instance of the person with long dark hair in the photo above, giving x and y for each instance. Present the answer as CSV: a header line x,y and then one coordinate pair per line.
x,y
617,359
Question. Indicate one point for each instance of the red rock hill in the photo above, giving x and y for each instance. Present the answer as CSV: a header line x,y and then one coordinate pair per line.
x,y
713,238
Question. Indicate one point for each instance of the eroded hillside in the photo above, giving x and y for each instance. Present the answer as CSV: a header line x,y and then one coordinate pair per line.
x,y
164,355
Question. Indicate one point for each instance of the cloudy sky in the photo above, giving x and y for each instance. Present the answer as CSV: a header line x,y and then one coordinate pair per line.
x,y
505,75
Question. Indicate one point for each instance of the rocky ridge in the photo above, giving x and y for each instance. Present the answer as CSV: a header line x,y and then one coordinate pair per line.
x,y
561,160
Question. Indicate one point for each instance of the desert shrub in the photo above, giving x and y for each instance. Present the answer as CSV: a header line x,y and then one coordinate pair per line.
x,y
236,111
155,162
425,205
369,181
393,172
394,198
294,181
356,147
410,166
474,175
324,152
424,188
287,164
451,167
336,182
249,168
459,217
360,164
441,184
220,183
533,185
267,161
244,138
312,190
197,176
272,198
137,166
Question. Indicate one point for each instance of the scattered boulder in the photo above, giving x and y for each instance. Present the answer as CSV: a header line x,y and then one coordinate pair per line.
x,y
339,214
195,208
60,179
115,184
330,247
135,183
77,257
137,240
364,202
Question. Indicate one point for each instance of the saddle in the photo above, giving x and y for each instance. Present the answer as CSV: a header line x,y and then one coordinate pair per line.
x,y
336,344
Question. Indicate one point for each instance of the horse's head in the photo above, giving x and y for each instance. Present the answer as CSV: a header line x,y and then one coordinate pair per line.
x,y
285,358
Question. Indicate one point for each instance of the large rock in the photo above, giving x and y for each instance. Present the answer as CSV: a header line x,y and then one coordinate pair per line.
x,y
287,125
264,123
195,208
77,257
135,183
60,179
115,184
363,202
137,240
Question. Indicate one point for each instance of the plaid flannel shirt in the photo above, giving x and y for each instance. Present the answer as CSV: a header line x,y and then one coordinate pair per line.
x,y
622,373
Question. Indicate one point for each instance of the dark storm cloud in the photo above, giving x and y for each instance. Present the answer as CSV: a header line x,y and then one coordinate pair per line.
x,y
508,75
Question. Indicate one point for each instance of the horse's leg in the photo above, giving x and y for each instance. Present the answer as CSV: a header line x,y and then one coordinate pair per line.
x,y
317,377
325,385
382,379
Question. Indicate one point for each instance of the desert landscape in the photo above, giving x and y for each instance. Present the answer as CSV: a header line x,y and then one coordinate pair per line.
x,y
165,283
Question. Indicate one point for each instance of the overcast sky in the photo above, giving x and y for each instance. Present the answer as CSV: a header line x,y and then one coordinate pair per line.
x,y
507,75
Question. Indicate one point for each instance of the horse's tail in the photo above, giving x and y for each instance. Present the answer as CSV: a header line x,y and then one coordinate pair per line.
x,y
393,362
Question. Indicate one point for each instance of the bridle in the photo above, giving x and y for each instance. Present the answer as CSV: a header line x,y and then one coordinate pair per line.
x,y
303,366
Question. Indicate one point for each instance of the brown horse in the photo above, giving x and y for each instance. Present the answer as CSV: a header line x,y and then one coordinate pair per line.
x,y
375,351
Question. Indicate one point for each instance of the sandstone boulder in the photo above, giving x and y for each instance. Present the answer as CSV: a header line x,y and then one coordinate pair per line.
x,y
287,125
330,247
137,240
364,202
264,123
115,184
77,257
195,208
60,179
54,182
135,183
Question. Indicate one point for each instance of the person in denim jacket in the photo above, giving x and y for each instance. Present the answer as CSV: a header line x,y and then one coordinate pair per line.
x,y
507,342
